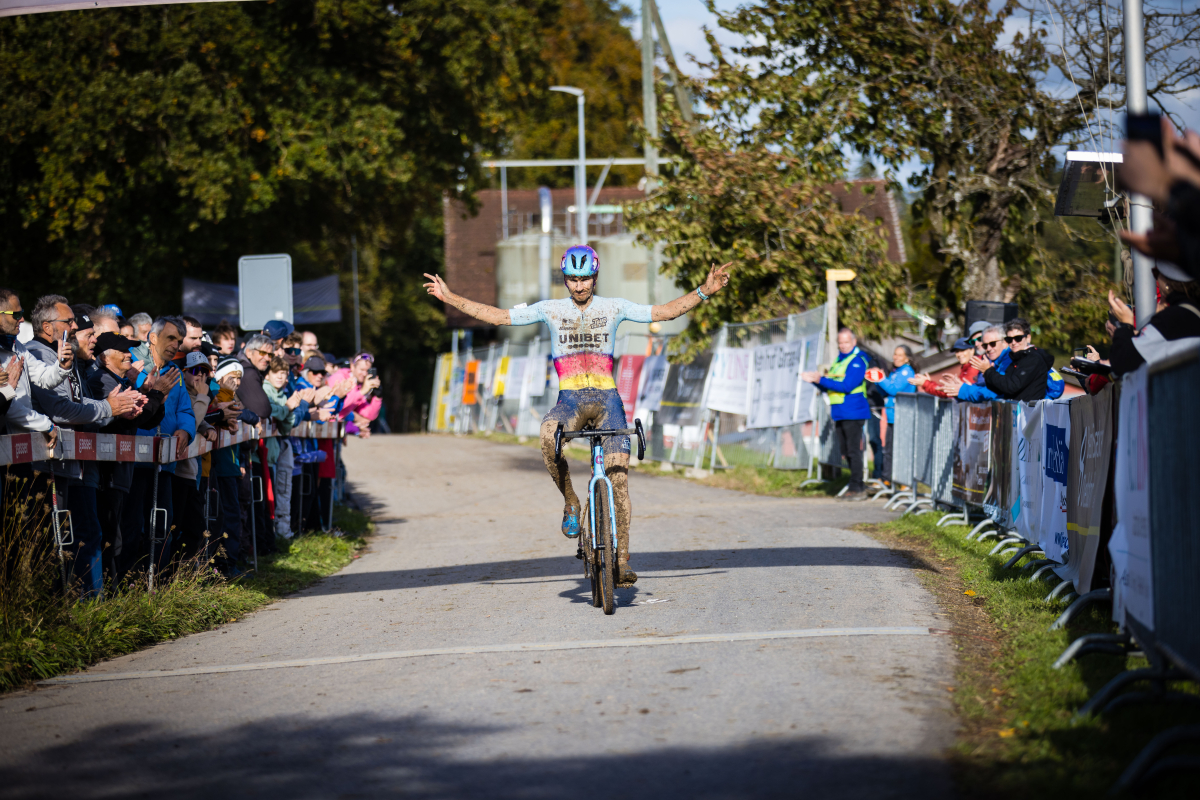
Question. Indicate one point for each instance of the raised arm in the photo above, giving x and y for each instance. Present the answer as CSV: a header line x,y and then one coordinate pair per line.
x,y
484,313
718,277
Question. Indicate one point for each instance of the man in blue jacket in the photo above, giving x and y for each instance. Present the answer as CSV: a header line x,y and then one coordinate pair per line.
x,y
178,421
845,387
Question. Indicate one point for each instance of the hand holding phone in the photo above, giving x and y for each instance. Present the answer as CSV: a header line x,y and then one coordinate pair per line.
x,y
1145,128
65,356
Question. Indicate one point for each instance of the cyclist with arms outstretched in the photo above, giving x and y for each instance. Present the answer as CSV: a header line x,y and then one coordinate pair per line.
x,y
583,331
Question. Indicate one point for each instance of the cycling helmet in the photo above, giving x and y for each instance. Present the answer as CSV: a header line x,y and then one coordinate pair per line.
x,y
580,261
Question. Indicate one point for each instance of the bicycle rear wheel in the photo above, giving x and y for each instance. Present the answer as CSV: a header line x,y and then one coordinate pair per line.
x,y
605,557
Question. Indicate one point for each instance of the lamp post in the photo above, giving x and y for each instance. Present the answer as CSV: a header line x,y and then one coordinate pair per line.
x,y
581,169
1140,215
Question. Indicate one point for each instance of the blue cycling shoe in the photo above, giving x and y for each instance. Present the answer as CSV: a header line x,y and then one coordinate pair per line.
x,y
570,526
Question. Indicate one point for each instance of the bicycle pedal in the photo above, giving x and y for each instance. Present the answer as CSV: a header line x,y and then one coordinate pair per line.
x,y
579,553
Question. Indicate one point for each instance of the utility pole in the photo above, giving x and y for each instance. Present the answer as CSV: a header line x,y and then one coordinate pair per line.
x,y
354,278
650,120
581,167
1140,216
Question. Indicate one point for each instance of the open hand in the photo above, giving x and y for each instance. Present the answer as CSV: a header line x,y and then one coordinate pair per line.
x,y
980,363
122,400
437,287
951,384
811,377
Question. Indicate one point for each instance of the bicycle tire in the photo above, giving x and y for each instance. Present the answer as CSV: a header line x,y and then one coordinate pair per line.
x,y
605,557
589,559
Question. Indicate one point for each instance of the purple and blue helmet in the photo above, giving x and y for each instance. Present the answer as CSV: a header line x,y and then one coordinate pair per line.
x,y
580,261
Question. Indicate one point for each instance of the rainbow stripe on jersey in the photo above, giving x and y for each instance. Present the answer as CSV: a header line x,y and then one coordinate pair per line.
x,y
582,340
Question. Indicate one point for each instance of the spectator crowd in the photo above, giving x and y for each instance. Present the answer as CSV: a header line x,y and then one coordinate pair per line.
x,y
1001,361
92,369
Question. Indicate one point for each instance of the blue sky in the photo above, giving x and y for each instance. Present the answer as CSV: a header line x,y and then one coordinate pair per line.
x,y
685,21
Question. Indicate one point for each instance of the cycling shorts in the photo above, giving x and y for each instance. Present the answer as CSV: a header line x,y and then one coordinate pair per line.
x,y
601,407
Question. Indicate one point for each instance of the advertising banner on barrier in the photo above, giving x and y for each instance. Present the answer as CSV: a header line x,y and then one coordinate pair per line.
x,y
1056,438
1005,494
773,385
470,383
654,378
683,392
441,414
1031,479
728,377
1133,585
806,402
971,453
1087,478
629,374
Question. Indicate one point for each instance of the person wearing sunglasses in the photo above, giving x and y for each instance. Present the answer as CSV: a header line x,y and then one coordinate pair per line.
x,y
362,403
38,372
1026,375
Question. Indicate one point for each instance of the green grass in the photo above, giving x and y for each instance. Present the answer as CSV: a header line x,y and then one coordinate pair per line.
x,y
48,636
1020,737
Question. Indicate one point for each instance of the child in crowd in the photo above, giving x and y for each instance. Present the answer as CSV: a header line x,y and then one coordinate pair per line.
x,y
279,449
222,466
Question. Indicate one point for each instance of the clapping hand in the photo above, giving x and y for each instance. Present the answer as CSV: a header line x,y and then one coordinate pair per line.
x,y
980,363
11,375
951,384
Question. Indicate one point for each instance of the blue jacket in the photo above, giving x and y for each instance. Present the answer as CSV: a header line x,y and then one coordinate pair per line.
x,y
177,414
894,384
980,393
855,405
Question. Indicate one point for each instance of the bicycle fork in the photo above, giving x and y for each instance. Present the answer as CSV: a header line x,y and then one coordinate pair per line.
x,y
599,476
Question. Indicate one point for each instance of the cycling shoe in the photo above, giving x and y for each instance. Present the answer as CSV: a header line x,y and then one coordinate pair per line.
x,y
570,525
627,576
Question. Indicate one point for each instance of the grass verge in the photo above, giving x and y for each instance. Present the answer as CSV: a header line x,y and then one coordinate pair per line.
x,y
53,636
1018,737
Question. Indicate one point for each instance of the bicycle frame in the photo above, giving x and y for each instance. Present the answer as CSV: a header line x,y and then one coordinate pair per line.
x,y
598,476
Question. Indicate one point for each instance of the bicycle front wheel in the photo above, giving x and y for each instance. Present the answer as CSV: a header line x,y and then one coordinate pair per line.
x,y
605,557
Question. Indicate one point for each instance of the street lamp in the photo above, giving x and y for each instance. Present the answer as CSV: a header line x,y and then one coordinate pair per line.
x,y
581,169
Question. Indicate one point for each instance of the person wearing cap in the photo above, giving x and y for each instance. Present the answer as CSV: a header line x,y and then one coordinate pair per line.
x,y
974,334
1179,319
278,329
255,359
113,367
223,468
279,448
964,350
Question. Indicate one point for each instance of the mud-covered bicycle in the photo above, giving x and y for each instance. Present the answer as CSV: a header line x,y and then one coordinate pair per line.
x,y
598,544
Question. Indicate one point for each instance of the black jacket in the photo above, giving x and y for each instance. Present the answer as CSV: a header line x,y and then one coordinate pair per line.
x,y
119,474
1025,378
1173,322
250,392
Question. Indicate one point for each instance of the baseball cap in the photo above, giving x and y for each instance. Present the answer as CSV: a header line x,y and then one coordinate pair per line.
x,y
314,364
112,341
962,344
278,329
197,359
113,307
228,366
1165,268
979,326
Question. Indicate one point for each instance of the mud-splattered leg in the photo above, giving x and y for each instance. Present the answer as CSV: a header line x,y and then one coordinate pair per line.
x,y
616,467
558,470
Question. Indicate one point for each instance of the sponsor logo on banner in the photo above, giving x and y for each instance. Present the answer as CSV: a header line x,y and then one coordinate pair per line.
x,y
106,447
126,447
1056,454
85,446
22,448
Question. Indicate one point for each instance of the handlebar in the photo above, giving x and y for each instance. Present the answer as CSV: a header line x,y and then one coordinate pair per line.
x,y
561,435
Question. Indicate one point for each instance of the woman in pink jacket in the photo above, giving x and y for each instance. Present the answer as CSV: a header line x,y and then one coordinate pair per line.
x,y
362,404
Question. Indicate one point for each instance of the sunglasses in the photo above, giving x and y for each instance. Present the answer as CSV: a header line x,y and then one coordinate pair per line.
x,y
16,315
996,343
199,371
1014,339
292,351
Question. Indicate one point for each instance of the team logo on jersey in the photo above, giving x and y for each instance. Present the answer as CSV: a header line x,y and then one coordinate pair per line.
x,y
599,322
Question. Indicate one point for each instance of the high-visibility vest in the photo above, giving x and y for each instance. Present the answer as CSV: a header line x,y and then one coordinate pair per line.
x,y
838,372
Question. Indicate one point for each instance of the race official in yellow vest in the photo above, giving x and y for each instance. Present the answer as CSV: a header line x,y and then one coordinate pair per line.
x,y
845,387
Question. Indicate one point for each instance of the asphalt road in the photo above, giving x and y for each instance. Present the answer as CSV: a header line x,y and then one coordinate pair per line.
x,y
766,651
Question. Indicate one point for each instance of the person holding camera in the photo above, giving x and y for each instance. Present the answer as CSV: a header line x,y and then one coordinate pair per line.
x,y
362,403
